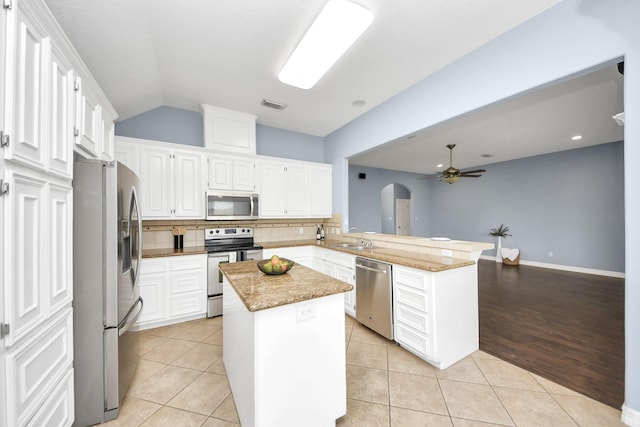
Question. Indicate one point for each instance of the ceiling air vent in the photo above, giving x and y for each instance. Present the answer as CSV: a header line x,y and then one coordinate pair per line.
x,y
273,104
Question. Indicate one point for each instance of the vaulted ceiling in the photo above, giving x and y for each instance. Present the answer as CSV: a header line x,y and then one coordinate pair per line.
x,y
148,53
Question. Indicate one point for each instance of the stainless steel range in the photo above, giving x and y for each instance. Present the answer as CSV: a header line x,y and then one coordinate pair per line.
x,y
226,245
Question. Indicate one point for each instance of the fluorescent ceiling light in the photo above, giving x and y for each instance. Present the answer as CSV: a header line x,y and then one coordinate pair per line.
x,y
336,28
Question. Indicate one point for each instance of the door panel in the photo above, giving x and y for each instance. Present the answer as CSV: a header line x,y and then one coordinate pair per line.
x,y
26,102
25,262
188,191
60,253
37,366
61,116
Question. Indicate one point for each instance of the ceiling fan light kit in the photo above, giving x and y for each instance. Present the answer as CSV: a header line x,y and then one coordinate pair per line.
x,y
450,175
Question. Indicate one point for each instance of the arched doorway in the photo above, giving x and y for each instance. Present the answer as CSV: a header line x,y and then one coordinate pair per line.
x,y
396,209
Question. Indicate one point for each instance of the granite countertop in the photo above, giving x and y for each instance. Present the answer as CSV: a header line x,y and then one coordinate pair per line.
x,y
259,291
191,250
433,263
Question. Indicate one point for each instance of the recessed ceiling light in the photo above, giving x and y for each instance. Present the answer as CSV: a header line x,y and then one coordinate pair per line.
x,y
337,27
358,103
576,137
439,165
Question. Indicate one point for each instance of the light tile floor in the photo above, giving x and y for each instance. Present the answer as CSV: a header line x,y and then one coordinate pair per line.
x,y
181,381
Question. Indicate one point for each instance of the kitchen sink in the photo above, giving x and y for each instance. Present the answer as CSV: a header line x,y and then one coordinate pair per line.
x,y
349,246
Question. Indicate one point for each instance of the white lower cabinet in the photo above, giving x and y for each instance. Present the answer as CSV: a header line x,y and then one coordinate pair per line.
x,y
38,372
299,254
436,313
334,264
59,408
340,266
154,285
174,289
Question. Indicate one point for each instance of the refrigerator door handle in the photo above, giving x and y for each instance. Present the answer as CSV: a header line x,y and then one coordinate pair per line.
x,y
131,317
138,239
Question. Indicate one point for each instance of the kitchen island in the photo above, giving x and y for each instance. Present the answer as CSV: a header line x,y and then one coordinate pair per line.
x,y
284,345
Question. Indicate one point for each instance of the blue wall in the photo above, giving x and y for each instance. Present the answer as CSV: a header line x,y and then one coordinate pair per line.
x,y
276,142
365,200
178,126
165,124
570,203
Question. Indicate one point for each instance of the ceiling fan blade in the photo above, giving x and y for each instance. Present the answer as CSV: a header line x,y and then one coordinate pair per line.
x,y
474,171
469,176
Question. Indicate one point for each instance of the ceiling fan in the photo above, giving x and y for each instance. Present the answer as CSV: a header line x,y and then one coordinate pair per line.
x,y
451,174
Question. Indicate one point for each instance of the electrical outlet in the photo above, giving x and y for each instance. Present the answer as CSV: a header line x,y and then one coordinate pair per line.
x,y
305,311
301,230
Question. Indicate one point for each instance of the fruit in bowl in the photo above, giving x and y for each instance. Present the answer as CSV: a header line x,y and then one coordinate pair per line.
x,y
275,265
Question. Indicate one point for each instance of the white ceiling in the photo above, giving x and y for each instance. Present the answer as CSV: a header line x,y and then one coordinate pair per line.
x,y
148,53
537,123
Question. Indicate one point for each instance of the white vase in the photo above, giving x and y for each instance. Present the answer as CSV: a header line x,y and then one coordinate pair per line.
x,y
499,250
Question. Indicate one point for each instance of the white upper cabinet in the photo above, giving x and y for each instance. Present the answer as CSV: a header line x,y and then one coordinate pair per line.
x,y
172,184
294,189
174,179
297,195
320,191
25,99
62,115
188,194
88,121
128,153
272,189
229,131
231,173
244,175
155,184
108,136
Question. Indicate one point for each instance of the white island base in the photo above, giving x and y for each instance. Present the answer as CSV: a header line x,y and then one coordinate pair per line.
x,y
286,365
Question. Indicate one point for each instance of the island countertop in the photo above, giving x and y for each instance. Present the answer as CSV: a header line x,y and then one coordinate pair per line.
x,y
259,291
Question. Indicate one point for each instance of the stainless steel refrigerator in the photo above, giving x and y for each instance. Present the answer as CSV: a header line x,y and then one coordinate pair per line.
x,y
107,248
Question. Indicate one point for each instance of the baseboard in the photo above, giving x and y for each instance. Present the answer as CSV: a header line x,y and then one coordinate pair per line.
x,y
630,417
607,273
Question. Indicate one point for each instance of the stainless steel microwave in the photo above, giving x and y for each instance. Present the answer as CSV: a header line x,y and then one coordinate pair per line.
x,y
222,205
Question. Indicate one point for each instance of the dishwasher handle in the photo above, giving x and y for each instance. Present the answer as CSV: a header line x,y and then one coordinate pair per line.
x,y
376,270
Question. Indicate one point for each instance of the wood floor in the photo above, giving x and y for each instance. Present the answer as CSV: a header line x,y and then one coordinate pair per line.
x,y
567,327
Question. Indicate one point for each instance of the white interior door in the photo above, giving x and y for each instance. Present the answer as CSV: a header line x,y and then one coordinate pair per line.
x,y
403,217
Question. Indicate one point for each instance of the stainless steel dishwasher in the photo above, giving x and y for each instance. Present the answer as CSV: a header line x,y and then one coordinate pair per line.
x,y
373,296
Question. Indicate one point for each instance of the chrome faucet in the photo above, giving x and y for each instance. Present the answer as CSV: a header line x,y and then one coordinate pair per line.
x,y
367,243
